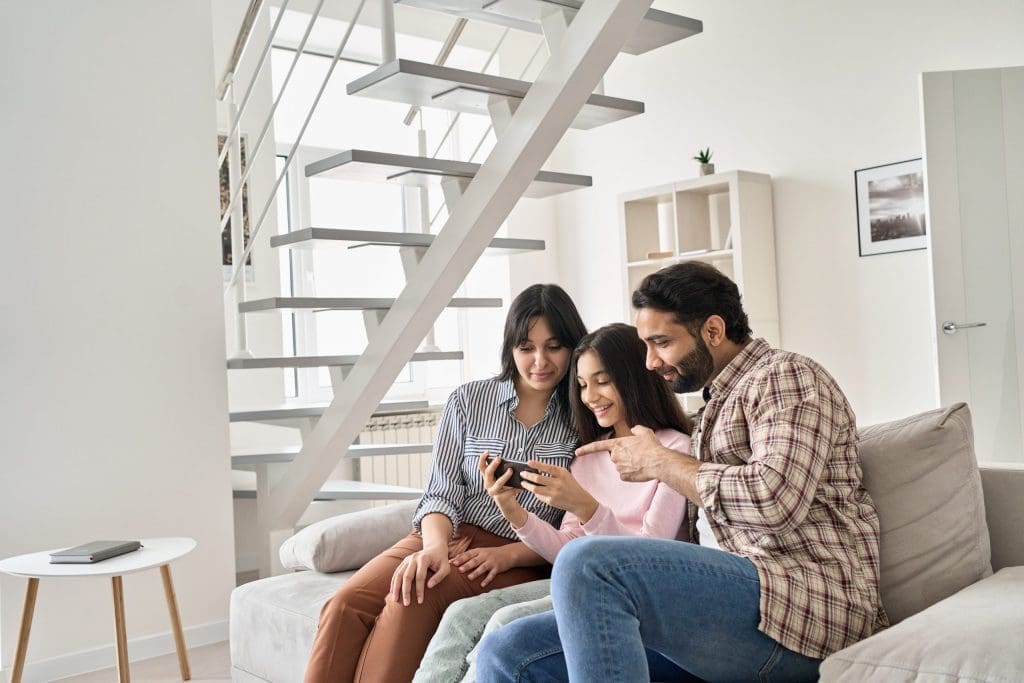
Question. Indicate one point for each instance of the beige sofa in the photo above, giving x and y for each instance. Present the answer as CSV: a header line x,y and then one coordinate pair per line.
x,y
946,527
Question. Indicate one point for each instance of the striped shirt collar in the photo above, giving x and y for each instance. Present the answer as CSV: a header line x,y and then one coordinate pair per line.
x,y
739,366
507,396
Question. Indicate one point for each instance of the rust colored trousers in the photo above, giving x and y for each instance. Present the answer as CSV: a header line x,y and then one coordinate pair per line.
x,y
366,636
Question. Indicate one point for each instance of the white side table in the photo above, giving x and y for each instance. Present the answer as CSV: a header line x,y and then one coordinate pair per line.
x,y
155,552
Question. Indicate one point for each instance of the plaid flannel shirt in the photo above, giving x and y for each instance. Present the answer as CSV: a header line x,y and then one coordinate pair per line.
x,y
781,485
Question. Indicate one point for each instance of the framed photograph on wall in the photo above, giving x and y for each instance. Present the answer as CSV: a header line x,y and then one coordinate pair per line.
x,y
890,208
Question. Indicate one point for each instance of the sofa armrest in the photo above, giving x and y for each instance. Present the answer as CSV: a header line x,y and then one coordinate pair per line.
x,y
1003,484
348,541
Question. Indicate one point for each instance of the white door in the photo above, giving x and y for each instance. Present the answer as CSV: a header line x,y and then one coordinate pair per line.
x,y
974,174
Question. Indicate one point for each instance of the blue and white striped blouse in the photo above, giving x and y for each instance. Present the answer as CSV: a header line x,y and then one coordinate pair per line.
x,y
480,416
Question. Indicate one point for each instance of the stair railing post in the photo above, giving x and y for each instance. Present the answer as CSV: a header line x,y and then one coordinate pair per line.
x,y
388,53
234,141
411,259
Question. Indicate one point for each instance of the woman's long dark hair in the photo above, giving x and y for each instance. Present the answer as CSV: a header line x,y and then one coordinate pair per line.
x,y
646,398
554,305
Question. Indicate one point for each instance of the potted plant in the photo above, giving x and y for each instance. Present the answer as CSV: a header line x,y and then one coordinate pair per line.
x,y
704,157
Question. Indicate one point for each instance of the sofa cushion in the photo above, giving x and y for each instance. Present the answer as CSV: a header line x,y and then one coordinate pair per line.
x,y
923,476
273,622
348,541
975,635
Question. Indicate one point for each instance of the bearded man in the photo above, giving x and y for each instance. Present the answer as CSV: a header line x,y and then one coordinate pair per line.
x,y
775,471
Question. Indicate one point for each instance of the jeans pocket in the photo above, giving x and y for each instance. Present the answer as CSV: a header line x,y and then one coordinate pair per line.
x,y
764,674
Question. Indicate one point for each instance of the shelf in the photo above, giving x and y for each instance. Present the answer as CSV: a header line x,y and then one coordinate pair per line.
x,y
656,29
366,166
243,485
291,412
724,219
354,451
443,87
285,304
701,255
310,238
327,361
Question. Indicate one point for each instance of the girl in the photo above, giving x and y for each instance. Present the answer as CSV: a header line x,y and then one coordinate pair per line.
x,y
613,392
377,625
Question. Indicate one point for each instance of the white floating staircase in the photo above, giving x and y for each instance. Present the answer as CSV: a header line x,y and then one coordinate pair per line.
x,y
583,39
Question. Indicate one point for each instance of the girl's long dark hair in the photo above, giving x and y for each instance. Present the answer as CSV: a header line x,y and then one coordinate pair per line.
x,y
554,305
646,397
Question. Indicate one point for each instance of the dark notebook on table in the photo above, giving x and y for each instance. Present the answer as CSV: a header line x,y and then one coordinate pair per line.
x,y
95,551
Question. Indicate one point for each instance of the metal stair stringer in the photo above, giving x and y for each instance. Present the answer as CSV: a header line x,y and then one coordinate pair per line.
x,y
594,38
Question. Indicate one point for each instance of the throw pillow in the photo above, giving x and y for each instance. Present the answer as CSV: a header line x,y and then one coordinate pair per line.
x,y
348,541
923,476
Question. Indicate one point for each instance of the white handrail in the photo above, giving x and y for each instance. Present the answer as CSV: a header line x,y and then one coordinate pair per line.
x,y
252,84
272,196
255,150
489,127
455,119
241,41
442,57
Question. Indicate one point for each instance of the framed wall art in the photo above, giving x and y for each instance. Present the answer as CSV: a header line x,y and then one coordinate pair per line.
x,y
890,208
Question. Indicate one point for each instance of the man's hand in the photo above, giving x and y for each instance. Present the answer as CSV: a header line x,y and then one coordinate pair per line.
x,y
641,457
636,457
485,562
414,570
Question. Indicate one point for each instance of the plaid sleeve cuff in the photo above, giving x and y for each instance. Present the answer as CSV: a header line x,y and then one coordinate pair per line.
x,y
709,478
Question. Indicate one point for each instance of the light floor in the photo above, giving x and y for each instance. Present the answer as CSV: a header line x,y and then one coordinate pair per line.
x,y
209,664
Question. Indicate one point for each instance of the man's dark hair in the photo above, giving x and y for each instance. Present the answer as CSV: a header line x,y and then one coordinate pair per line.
x,y
693,292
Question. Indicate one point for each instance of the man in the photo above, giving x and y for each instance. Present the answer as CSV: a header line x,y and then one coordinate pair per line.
x,y
777,475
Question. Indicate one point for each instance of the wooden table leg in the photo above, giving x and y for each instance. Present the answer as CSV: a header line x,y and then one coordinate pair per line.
x,y
26,627
172,607
121,634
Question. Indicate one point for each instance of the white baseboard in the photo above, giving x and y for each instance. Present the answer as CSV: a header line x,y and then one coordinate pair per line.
x,y
105,657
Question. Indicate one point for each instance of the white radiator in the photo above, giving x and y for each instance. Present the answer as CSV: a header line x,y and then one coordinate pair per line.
x,y
400,470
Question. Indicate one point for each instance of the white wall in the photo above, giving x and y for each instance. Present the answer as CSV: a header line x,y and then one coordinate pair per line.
x,y
806,92
113,406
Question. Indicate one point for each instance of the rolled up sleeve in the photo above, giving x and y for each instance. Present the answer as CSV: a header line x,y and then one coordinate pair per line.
x,y
445,491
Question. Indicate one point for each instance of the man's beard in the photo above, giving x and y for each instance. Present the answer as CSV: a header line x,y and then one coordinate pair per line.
x,y
693,370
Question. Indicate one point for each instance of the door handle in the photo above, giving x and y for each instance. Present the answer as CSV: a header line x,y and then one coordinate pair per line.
x,y
950,327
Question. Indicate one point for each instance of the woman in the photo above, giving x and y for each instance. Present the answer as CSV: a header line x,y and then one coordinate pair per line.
x,y
377,625
614,392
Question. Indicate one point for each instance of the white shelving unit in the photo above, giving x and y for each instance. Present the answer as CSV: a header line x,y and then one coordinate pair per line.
x,y
723,219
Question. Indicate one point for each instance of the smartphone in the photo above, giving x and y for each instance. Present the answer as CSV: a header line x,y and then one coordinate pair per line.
x,y
515,481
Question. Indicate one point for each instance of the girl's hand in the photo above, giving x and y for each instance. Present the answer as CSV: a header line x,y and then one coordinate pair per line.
x,y
504,496
485,562
413,571
557,487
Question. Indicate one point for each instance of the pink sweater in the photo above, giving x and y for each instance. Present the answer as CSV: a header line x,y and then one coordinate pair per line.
x,y
648,508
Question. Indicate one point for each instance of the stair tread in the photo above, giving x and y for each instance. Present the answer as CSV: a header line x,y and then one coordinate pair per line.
x,y
310,237
328,361
444,87
358,450
244,486
290,411
657,28
292,303
365,165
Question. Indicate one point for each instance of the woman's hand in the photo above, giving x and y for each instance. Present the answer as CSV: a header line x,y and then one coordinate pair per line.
x,y
486,562
414,570
504,496
557,487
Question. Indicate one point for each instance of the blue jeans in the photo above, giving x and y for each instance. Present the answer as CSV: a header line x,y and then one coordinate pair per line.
x,y
641,609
